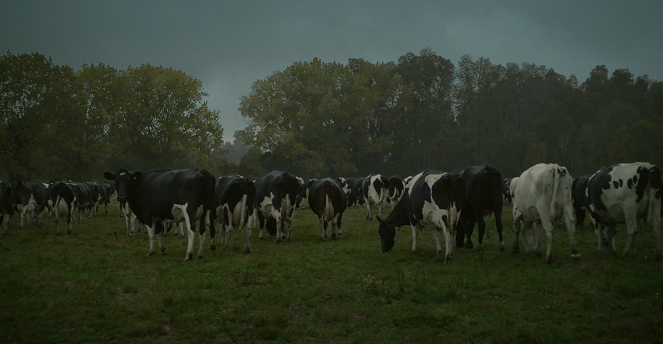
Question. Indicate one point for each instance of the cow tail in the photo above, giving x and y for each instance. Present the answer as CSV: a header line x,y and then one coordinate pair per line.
x,y
329,208
556,176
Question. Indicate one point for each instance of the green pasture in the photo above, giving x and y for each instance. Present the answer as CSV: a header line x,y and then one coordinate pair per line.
x,y
99,286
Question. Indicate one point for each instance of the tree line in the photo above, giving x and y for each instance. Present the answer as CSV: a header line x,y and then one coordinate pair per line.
x,y
319,119
58,122
327,119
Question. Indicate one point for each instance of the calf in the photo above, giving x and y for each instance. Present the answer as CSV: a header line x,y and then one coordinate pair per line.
x,y
276,194
623,193
32,201
432,199
327,200
483,196
167,195
233,203
374,191
541,196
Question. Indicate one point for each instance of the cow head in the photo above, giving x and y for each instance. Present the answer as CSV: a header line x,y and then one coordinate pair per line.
x,y
122,179
387,235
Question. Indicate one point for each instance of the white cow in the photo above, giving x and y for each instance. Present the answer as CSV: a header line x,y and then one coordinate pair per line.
x,y
621,194
542,194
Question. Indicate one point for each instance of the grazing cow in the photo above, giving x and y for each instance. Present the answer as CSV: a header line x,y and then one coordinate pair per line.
x,y
431,199
374,191
276,194
483,196
624,193
32,201
6,204
327,200
580,198
63,198
395,191
541,196
161,195
506,190
233,204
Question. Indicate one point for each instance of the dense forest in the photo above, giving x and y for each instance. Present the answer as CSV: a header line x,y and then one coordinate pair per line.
x,y
318,119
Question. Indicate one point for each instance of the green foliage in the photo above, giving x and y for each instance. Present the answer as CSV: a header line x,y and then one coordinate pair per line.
x,y
61,123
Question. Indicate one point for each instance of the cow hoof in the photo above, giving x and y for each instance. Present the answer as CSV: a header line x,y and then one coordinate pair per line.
x,y
212,247
479,247
548,261
201,255
469,245
189,257
515,251
162,251
502,246
151,253
247,250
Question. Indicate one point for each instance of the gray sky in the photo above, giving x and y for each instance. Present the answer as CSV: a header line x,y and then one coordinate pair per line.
x,y
230,44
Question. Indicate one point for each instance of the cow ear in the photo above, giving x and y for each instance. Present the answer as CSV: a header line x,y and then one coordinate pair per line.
x,y
109,176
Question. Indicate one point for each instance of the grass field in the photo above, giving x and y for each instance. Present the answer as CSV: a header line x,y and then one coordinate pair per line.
x,y
98,286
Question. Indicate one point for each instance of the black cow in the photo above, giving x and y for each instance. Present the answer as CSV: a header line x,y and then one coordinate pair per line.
x,y
83,197
506,190
624,193
327,200
374,191
32,201
432,199
483,195
395,190
62,197
579,196
167,195
276,195
233,204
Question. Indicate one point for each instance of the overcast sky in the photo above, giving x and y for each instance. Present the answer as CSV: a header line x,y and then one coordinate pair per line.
x,y
230,44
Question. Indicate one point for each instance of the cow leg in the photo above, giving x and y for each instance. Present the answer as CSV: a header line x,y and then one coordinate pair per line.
x,y
338,224
570,228
449,239
150,234
159,233
247,246
548,226
415,233
517,225
261,222
469,229
201,235
380,205
481,224
70,227
368,210
227,233
436,236
500,229
289,223
321,225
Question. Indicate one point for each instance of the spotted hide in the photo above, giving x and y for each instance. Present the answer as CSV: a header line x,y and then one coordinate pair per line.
x,y
542,195
374,191
167,195
233,203
432,199
32,201
327,201
483,196
624,193
276,195
395,191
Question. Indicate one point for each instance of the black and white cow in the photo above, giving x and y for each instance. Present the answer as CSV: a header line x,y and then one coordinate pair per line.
x,y
395,191
348,186
542,195
167,195
327,200
63,198
302,196
83,199
276,195
483,196
580,198
234,197
32,201
506,190
374,191
623,193
431,199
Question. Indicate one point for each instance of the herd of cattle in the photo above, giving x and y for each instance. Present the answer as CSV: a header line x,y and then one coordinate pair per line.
x,y
452,203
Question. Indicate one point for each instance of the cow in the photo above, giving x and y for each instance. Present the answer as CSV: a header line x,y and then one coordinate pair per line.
x,y
6,204
624,193
327,200
431,199
395,191
167,195
83,196
506,190
374,191
483,196
303,193
579,196
348,186
542,195
63,198
234,197
32,201
276,194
